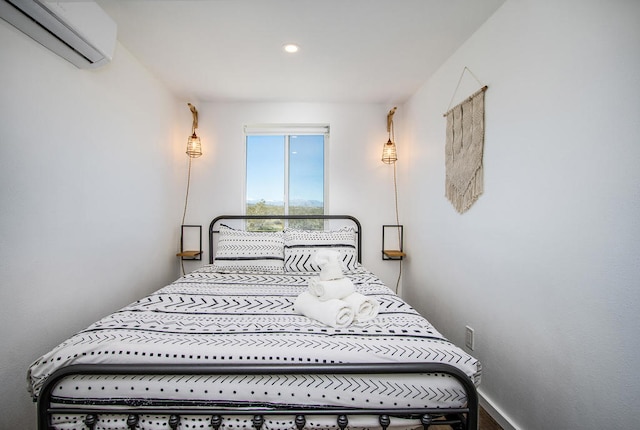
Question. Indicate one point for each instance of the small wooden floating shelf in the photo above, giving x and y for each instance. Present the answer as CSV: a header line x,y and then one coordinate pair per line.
x,y
394,254
188,254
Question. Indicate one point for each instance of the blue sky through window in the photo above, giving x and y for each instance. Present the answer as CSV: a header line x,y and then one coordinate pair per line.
x,y
306,168
266,168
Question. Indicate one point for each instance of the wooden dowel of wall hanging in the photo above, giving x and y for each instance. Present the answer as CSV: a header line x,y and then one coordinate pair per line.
x,y
466,100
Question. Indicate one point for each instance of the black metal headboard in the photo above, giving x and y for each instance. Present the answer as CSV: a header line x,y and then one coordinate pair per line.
x,y
214,226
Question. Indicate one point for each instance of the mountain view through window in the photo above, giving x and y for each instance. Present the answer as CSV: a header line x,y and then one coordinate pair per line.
x,y
285,175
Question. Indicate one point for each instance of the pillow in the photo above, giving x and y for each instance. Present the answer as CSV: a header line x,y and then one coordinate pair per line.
x,y
248,251
300,247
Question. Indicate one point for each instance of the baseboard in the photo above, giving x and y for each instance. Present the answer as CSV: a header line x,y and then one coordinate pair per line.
x,y
496,413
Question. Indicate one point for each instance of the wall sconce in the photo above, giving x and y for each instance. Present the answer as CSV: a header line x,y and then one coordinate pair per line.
x,y
194,146
389,154
194,150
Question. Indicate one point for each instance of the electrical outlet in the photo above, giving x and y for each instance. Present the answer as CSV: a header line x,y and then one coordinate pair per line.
x,y
468,338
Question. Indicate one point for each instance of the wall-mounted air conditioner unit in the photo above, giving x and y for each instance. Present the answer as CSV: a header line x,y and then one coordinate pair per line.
x,y
78,31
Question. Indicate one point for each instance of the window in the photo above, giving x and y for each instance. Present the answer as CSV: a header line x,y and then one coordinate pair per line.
x,y
285,174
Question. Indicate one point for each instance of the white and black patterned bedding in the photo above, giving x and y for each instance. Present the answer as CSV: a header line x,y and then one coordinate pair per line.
x,y
238,318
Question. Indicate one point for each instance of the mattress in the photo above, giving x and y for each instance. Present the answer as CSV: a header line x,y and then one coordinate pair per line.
x,y
213,318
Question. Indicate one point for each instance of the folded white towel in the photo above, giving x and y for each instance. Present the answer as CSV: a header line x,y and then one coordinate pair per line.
x,y
334,312
365,307
329,263
327,290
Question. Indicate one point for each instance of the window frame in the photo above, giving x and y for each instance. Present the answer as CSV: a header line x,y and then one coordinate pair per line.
x,y
288,130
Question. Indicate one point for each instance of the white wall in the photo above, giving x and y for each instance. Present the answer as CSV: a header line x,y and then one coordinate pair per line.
x,y
89,204
359,183
546,265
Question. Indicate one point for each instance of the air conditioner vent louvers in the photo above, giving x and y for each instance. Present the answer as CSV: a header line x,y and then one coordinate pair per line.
x,y
80,32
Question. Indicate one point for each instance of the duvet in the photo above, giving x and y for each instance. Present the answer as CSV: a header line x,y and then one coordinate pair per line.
x,y
236,318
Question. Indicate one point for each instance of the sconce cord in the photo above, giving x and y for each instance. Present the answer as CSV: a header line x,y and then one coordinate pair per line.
x,y
186,200
395,187
392,137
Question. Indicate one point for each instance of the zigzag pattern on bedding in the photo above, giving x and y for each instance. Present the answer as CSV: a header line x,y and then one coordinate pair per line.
x,y
233,319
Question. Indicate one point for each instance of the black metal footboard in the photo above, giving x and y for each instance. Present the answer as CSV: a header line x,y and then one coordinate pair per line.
x,y
458,418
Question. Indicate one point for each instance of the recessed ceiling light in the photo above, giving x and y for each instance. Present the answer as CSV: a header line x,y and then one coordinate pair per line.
x,y
291,48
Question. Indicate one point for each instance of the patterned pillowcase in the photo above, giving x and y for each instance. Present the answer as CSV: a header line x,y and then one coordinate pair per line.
x,y
300,247
247,251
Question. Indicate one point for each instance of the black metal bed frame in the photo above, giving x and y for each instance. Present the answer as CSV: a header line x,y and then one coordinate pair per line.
x,y
463,418
216,221
457,418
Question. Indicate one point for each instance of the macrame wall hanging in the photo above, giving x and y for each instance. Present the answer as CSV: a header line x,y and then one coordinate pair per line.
x,y
464,149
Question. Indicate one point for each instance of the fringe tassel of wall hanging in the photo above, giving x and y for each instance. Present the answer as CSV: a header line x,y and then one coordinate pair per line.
x,y
464,150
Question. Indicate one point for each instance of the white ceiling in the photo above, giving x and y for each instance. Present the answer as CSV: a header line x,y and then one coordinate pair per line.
x,y
351,51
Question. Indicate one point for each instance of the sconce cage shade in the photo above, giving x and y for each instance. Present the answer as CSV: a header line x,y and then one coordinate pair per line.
x,y
194,146
389,154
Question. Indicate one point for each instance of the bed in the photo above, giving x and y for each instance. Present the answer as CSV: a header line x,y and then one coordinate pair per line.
x,y
224,348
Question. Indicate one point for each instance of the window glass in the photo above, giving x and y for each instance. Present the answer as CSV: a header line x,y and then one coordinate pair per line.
x,y
285,175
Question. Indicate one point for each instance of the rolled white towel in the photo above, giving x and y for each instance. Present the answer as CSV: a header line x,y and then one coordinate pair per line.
x,y
366,308
329,263
327,290
335,313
